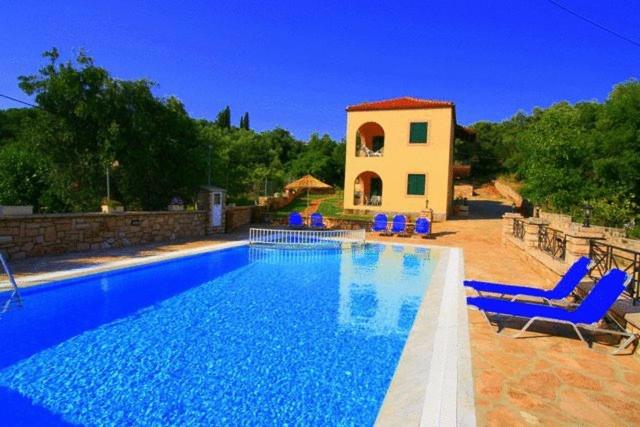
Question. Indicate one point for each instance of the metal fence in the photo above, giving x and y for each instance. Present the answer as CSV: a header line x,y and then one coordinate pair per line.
x,y
552,242
518,229
607,256
305,238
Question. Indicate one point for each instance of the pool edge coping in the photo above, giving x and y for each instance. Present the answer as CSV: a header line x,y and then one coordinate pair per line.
x,y
437,355
46,278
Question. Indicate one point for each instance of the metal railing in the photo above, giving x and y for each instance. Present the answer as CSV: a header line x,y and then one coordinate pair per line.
x,y
552,242
606,256
304,238
518,229
14,293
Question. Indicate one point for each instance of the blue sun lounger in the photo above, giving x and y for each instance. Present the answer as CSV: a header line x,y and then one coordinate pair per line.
x,y
423,226
593,308
380,223
399,225
295,220
565,286
317,221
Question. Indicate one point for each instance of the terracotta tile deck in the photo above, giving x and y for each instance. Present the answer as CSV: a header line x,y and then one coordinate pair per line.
x,y
537,380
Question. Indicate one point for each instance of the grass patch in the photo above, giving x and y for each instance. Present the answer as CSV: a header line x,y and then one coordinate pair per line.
x,y
300,203
331,206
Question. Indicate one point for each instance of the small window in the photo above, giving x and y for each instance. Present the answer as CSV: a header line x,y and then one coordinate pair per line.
x,y
416,185
418,133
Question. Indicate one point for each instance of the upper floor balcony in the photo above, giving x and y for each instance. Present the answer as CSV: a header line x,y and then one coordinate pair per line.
x,y
370,140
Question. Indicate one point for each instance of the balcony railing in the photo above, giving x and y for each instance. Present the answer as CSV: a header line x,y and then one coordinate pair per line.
x,y
373,200
607,256
552,242
518,229
365,151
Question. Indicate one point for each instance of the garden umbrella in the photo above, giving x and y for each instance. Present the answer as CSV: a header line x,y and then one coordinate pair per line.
x,y
308,182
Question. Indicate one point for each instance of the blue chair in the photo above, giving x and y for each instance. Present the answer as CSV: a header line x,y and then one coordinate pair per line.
x,y
586,315
565,286
423,226
317,221
380,223
399,225
295,220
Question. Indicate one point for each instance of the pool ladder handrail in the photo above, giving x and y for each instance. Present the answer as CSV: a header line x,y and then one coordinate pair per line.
x,y
15,293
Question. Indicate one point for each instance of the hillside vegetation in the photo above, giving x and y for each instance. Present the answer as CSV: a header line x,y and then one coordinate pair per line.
x,y
55,157
568,155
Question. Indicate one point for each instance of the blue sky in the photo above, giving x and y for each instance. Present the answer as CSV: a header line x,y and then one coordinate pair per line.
x,y
297,64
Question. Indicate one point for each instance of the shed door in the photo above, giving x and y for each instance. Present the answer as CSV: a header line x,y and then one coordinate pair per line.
x,y
216,210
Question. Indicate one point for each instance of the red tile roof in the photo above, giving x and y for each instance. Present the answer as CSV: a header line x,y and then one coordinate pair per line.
x,y
404,103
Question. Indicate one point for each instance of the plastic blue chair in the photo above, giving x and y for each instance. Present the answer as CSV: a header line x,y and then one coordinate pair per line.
x,y
295,220
423,226
399,225
592,309
317,221
380,223
565,286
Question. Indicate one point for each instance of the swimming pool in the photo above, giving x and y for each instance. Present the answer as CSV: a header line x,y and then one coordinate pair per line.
x,y
243,335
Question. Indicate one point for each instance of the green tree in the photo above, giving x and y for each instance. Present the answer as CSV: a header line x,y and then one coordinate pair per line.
x,y
244,121
223,119
23,176
92,120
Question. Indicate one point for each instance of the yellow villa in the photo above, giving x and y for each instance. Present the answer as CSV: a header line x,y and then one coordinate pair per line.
x,y
400,156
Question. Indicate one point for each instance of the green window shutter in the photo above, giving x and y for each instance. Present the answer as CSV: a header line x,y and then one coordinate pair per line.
x,y
416,185
418,133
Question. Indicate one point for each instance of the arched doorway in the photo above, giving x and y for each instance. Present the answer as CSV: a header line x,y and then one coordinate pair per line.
x,y
367,189
370,140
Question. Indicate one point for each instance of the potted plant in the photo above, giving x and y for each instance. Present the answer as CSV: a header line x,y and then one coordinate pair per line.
x,y
111,206
176,204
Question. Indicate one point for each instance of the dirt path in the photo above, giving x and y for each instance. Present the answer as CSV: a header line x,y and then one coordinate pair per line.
x,y
313,206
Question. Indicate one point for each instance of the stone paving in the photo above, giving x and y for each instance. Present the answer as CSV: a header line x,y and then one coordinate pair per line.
x,y
541,379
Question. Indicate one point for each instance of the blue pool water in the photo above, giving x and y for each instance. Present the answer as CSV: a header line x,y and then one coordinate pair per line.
x,y
243,336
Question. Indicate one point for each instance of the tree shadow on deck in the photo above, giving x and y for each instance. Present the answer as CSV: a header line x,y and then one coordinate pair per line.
x,y
485,209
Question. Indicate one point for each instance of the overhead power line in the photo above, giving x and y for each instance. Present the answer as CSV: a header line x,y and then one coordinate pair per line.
x,y
594,23
18,101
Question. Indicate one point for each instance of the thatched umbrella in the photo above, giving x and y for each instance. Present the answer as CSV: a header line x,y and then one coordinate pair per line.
x,y
308,182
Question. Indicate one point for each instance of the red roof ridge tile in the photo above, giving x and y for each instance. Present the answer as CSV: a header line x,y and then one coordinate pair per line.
x,y
401,103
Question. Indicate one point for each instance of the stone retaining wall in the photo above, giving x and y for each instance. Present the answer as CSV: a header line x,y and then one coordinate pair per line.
x,y
37,235
508,193
239,216
462,191
577,240
276,203
331,223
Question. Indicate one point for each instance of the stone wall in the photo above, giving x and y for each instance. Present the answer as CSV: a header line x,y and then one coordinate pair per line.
x,y
331,223
565,223
275,203
507,192
36,235
239,216
577,243
462,191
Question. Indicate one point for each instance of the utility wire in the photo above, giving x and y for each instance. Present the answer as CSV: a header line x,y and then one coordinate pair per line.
x,y
19,101
595,24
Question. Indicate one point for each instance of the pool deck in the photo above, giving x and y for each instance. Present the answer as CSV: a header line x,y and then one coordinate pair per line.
x,y
537,380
